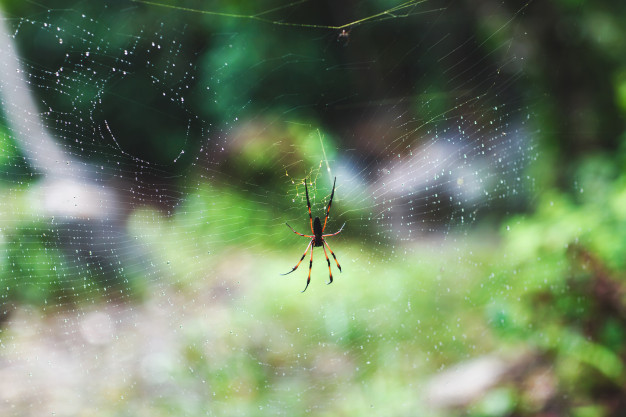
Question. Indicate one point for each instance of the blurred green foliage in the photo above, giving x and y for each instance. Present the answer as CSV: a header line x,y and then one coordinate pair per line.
x,y
569,272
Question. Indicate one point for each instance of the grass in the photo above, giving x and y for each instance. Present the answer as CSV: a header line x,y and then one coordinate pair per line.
x,y
210,324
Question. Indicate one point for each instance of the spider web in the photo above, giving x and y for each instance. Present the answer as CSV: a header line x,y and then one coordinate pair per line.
x,y
152,154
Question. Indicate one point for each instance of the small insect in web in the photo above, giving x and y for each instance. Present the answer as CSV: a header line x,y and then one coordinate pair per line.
x,y
344,37
317,237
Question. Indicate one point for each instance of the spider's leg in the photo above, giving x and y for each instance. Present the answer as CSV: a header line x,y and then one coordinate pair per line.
x,y
332,253
329,203
303,255
298,233
308,204
330,274
308,280
336,233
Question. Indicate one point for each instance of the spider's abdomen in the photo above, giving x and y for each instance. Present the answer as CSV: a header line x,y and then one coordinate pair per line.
x,y
317,231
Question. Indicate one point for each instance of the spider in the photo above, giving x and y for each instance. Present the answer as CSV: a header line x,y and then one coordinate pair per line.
x,y
317,237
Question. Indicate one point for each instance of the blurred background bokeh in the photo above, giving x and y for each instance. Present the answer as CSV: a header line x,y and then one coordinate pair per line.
x,y
152,151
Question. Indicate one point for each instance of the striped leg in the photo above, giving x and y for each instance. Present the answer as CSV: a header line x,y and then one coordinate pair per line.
x,y
308,204
303,255
332,234
298,233
308,280
329,203
334,257
330,274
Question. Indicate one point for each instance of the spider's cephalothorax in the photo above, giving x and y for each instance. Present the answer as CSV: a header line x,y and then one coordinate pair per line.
x,y
317,238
